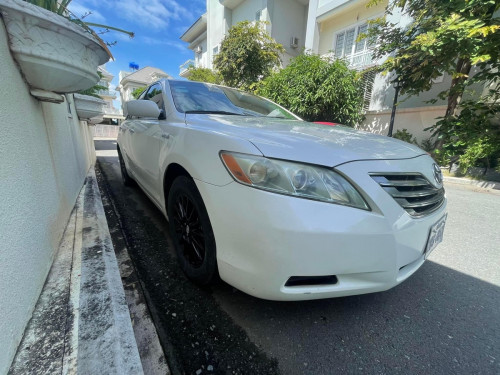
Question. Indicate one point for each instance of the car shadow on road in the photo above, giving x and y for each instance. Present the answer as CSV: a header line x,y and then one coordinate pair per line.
x,y
438,321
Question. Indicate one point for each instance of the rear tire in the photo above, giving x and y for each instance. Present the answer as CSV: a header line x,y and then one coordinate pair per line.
x,y
126,179
191,232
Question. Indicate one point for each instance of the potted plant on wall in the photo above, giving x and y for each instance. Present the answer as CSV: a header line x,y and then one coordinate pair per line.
x,y
89,105
55,52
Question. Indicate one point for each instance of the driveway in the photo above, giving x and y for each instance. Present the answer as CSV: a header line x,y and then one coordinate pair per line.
x,y
445,319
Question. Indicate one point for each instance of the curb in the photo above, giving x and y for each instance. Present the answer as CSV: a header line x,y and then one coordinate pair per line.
x,y
491,185
81,323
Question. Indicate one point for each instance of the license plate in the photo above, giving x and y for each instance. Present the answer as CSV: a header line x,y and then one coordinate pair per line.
x,y
435,236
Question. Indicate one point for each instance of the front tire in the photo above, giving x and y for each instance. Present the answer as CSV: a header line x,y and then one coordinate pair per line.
x,y
191,231
126,179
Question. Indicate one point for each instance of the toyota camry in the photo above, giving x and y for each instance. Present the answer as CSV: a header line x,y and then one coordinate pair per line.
x,y
278,207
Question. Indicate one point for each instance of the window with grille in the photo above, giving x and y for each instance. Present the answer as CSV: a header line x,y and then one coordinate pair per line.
x,y
357,54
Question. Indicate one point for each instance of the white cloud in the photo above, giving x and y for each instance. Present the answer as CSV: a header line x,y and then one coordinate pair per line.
x,y
170,43
155,14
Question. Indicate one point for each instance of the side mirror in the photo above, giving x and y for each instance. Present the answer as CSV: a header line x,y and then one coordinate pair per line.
x,y
142,108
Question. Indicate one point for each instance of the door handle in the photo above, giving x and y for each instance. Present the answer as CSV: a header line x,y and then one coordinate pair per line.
x,y
132,131
165,136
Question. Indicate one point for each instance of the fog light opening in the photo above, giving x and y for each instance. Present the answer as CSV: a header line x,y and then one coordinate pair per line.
x,y
311,280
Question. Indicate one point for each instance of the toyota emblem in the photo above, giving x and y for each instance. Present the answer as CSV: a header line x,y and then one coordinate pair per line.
x,y
438,176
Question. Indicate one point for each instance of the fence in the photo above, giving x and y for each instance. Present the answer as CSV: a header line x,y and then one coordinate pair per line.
x,y
106,131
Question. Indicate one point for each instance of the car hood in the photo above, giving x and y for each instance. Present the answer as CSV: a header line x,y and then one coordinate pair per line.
x,y
305,141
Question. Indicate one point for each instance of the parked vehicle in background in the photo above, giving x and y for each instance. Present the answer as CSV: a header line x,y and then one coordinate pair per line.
x,y
280,208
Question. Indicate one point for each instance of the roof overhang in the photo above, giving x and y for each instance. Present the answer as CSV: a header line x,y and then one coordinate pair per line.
x,y
336,7
231,4
195,30
197,41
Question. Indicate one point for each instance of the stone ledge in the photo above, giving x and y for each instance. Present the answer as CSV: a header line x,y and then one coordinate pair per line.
x,y
467,181
81,323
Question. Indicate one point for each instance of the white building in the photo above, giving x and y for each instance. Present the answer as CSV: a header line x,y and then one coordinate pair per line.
x,y
110,112
129,81
286,24
325,27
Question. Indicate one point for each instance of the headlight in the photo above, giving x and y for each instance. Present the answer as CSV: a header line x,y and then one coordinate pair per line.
x,y
296,179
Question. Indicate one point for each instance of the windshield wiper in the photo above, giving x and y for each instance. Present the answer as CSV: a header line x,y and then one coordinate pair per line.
x,y
214,112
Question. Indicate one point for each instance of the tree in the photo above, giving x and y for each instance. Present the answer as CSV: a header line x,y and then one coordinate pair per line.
x,y
204,75
473,137
94,90
443,36
247,55
138,91
317,89
453,37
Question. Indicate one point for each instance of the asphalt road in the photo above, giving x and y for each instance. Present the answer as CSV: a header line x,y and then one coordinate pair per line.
x,y
445,319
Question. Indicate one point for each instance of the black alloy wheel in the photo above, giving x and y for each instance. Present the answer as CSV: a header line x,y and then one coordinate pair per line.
x,y
191,231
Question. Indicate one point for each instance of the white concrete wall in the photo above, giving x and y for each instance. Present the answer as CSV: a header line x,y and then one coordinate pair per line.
x,y
218,19
415,120
288,19
46,153
202,60
246,11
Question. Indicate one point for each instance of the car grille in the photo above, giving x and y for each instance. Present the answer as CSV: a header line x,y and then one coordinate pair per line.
x,y
412,191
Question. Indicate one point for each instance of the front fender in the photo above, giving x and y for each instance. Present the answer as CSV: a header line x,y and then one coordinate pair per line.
x,y
198,153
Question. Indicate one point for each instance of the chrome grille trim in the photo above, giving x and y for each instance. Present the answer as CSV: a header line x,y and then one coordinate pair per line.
x,y
412,191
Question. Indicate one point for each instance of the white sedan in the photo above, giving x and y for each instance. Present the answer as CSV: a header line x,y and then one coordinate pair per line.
x,y
280,208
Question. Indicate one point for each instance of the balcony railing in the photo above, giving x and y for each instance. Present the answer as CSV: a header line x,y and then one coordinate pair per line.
x,y
112,111
361,59
184,67
358,61
107,93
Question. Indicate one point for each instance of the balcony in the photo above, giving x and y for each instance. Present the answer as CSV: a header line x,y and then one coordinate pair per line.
x,y
112,111
361,60
358,61
107,93
183,69
231,4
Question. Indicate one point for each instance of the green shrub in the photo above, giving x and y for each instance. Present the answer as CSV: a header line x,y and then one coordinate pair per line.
x,y
405,135
204,75
317,89
473,136
247,55
138,91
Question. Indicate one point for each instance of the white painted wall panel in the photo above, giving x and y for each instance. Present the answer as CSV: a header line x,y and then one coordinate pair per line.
x,y
289,19
44,159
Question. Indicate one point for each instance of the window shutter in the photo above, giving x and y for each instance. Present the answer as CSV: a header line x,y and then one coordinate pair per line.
x,y
339,45
349,42
367,85
361,45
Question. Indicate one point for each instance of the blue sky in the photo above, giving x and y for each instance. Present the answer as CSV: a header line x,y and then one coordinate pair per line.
x,y
157,25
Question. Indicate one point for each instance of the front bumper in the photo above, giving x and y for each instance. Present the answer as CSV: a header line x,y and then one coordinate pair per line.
x,y
263,238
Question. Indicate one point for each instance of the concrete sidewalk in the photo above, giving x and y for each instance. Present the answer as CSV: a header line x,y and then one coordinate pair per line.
x,y
81,323
489,185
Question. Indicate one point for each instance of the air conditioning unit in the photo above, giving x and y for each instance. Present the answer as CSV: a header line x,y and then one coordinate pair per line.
x,y
198,49
294,42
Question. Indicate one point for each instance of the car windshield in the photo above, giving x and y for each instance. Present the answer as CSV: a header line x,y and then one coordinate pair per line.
x,y
198,97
